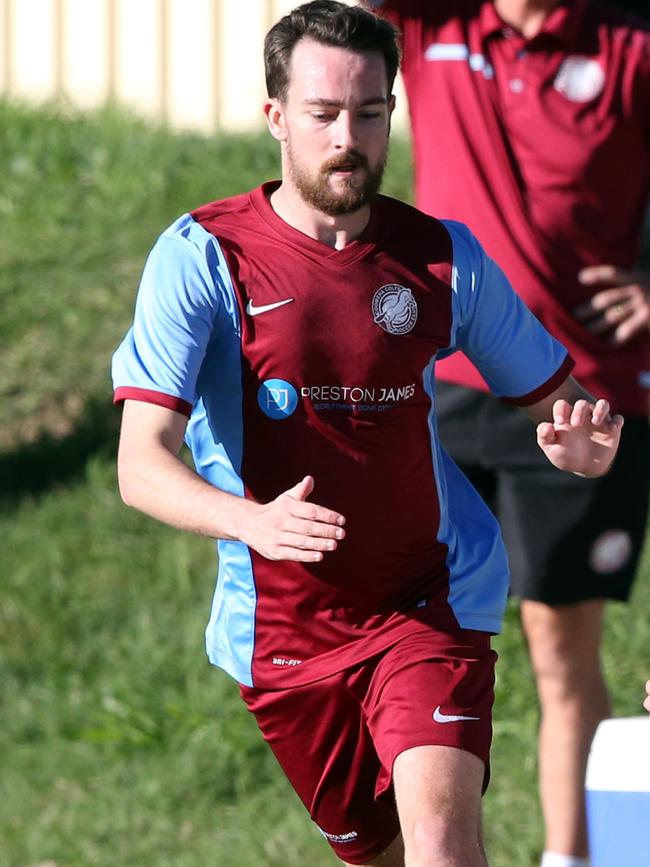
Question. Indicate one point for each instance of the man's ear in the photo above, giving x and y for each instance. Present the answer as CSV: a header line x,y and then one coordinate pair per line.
x,y
275,118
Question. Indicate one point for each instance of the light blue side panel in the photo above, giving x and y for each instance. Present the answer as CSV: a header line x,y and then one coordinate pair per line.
x,y
477,560
230,634
215,437
186,342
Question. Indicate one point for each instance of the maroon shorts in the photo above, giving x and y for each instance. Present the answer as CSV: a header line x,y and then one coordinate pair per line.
x,y
336,739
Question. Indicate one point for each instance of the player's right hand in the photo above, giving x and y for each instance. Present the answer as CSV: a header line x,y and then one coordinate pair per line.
x,y
290,528
582,438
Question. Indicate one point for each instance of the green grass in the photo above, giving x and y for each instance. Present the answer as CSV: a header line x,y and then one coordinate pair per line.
x,y
119,744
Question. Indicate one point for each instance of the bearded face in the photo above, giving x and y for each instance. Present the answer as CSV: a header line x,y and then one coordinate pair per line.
x,y
342,184
333,122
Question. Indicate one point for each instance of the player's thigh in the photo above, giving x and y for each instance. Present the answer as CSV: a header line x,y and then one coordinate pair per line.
x,y
393,856
438,793
564,641
571,539
320,738
429,710
434,688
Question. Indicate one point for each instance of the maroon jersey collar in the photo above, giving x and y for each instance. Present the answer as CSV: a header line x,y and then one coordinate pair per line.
x,y
364,244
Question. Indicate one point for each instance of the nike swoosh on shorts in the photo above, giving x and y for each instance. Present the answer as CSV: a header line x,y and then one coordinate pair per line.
x,y
440,717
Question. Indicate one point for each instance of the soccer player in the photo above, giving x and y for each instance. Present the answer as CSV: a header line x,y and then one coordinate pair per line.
x,y
290,336
531,123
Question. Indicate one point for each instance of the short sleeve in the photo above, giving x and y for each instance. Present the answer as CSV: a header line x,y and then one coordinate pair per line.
x,y
518,358
181,305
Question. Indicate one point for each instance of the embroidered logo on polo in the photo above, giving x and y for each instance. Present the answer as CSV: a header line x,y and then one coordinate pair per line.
x,y
394,308
580,79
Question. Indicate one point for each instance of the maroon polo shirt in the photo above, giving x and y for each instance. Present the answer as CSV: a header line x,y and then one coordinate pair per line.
x,y
542,147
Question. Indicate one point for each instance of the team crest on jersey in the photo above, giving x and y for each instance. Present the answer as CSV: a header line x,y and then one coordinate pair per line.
x,y
580,79
394,308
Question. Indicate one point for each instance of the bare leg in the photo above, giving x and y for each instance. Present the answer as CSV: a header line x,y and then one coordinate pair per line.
x,y
391,857
564,646
438,793
394,855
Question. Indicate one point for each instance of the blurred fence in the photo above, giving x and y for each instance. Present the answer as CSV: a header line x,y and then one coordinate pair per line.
x,y
195,64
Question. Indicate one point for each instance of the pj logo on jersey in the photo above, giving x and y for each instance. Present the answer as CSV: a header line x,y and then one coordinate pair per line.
x,y
277,398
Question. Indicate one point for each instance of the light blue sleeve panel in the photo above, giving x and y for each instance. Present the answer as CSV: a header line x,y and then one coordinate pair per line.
x,y
183,302
495,329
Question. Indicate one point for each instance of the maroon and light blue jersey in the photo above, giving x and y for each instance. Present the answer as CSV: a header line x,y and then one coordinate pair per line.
x,y
292,358
542,146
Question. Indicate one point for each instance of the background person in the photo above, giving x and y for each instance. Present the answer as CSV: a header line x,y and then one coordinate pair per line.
x,y
296,326
531,123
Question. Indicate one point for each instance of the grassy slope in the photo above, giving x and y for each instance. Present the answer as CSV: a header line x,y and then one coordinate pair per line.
x,y
120,745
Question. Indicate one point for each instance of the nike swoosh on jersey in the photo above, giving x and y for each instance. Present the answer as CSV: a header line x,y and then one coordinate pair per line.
x,y
440,717
252,310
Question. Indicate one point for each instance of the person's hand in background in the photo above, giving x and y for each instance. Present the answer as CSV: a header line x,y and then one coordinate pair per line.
x,y
620,307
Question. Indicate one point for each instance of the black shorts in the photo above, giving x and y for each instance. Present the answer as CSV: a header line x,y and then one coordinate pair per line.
x,y
569,539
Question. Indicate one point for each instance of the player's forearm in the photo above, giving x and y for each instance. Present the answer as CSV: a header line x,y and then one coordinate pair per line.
x,y
570,390
156,482
153,479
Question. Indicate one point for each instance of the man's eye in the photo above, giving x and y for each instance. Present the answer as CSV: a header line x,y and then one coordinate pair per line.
x,y
322,116
369,115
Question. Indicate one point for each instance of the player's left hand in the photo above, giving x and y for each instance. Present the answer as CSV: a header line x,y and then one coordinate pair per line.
x,y
582,438
620,307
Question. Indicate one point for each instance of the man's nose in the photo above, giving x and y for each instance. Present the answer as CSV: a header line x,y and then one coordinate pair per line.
x,y
345,132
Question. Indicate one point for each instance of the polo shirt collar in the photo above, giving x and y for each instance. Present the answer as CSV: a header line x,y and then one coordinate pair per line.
x,y
562,24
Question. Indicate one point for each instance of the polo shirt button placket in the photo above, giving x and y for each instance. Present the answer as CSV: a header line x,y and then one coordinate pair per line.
x,y
514,84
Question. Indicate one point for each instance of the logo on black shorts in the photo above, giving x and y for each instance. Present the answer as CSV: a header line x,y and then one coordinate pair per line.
x,y
611,551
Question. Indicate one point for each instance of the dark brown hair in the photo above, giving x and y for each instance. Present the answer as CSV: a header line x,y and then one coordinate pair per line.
x,y
329,23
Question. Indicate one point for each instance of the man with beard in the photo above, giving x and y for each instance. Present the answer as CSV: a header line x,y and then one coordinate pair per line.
x,y
297,327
